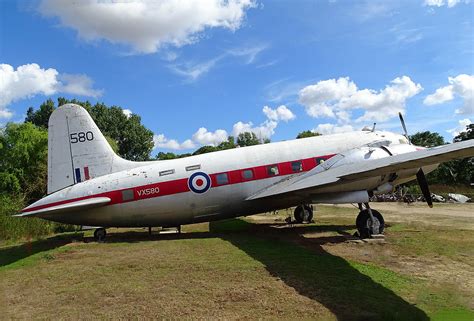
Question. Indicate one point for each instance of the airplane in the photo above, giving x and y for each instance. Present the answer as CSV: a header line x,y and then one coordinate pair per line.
x,y
89,185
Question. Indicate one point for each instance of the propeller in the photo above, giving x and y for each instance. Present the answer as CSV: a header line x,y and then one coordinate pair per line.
x,y
404,127
420,175
421,178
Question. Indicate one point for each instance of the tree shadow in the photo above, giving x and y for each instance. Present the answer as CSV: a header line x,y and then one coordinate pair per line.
x,y
317,274
12,254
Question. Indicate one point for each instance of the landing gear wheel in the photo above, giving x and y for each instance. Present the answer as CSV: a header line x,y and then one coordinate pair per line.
x,y
100,234
366,227
303,213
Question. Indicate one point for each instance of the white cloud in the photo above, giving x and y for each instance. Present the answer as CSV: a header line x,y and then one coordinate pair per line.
x,y
30,80
147,26
192,71
267,128
460,128
161,141
248,53
338,97
280,113
461,86
80,85
264,130
205,137
332,129
127,112
442,3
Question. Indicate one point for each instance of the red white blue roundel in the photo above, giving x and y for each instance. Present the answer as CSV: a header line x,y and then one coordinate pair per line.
x,y
199,182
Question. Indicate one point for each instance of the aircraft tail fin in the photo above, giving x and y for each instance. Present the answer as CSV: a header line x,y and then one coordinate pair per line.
x,y
77,150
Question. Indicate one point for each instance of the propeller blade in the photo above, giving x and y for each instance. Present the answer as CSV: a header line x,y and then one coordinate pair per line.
x,y
404,127
421,178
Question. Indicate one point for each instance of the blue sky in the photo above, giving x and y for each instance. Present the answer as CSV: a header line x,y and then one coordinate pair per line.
x,y
198,71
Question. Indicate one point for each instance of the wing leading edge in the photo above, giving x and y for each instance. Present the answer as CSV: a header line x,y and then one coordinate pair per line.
x,y
317,178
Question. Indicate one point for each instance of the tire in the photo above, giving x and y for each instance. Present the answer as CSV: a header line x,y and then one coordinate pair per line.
x,y
307,214
298,214
364,226
100,234
303,213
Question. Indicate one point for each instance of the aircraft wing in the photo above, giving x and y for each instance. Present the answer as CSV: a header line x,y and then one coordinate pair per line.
x,y
318,177
68,207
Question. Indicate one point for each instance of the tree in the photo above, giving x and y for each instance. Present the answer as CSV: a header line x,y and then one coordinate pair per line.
x,y
228,144
247,139
205,149
464,168
468,134
40,117
133,140
427,139
307,133
23,160
165,156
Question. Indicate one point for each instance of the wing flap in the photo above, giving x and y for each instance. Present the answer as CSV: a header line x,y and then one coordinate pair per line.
x,y
67,207
369,168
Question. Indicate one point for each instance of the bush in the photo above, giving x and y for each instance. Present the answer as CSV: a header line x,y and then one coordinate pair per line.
x,y
14,228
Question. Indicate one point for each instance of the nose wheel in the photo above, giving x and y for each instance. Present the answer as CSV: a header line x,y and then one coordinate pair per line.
x,y
369,222
303,213
100,234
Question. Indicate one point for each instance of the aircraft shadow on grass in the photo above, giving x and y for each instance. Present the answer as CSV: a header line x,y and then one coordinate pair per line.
x,y
12,254
301,263
317,274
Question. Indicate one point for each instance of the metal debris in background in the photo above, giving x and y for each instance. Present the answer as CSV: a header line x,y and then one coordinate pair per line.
x,y
459,198
410,198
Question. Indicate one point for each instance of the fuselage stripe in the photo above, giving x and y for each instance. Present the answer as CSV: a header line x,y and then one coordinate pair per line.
x,y
181,185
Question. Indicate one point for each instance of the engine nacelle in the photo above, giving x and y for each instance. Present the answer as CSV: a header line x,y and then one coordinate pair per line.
x,y
384,183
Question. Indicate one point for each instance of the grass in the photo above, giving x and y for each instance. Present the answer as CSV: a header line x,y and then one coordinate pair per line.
x,y
413,239
232,270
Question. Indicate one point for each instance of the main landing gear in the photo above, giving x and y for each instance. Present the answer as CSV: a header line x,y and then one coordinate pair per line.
x,y
303,213
100,234
369,222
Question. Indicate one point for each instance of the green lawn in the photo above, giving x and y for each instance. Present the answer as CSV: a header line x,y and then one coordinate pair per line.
x,y
234,269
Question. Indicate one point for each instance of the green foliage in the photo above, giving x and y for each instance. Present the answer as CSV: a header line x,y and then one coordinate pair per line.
x,y
40,117
427,139
12,228
468,134
165,156
205,149
229,144
23,160
113,143
244,139
135,142
460,171
247,139
307,133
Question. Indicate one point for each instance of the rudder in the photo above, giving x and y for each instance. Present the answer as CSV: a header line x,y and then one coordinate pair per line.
x,y
77,150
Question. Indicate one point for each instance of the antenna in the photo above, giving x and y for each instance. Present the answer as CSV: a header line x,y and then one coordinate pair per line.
x,y
373,128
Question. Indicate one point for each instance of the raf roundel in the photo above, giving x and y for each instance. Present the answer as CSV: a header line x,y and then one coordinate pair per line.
x,y
199,182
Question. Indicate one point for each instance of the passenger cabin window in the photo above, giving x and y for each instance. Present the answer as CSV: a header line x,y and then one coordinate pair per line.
x,y
127,195
247,174
222,179
297,166
193,168
272,170
167,172
319,160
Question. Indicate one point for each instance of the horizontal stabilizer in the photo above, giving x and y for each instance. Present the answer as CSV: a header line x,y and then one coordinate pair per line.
x,y
67,207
